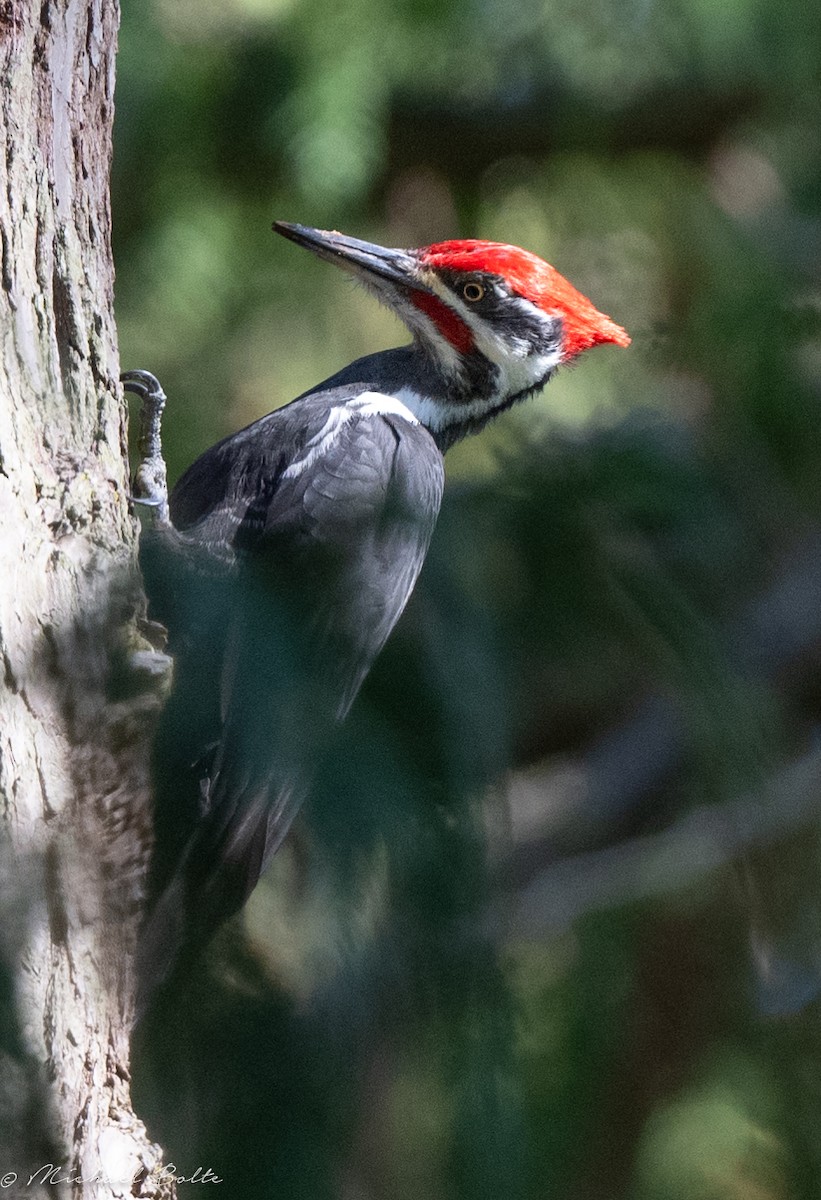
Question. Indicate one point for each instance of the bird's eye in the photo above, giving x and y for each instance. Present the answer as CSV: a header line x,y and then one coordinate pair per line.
x,y
473,291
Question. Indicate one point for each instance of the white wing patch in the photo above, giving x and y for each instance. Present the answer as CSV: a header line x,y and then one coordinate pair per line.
x,y
319,443
378,404
367,404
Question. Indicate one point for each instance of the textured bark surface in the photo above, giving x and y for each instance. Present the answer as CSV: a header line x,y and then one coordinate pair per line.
x,y
74,724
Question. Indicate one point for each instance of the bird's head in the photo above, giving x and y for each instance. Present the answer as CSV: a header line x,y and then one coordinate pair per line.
x,y
494,321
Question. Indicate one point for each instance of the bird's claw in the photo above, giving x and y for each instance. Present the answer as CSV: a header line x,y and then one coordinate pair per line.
x,y
143,384
149,485
148,501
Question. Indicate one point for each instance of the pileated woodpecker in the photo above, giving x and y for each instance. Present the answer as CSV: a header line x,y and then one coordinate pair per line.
x,y
293,546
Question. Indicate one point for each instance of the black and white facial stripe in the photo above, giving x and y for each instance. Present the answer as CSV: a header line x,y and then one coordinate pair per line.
x,y
512,350
493,311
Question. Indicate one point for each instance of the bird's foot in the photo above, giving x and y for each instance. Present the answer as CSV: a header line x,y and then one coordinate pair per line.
x,y
150,485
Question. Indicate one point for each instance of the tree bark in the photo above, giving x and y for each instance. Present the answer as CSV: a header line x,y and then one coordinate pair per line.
x,y
75,720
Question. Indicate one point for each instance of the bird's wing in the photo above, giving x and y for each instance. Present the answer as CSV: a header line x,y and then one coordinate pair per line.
x,y
333,555
329,550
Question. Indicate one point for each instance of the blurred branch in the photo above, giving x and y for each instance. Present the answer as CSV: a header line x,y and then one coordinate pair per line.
x,y
627,767
706,838
463,140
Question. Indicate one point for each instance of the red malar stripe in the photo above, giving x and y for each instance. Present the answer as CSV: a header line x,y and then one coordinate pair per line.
x,y
451,326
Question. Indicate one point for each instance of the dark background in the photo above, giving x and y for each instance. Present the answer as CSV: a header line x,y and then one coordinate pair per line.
x,y
550,925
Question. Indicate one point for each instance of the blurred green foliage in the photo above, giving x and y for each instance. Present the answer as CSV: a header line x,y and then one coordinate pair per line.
x,y
372,1035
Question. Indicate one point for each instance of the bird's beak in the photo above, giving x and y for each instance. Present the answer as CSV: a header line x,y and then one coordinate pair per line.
x,y
362,258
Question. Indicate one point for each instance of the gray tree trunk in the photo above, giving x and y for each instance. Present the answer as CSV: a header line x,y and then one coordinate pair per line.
x,y
74,724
